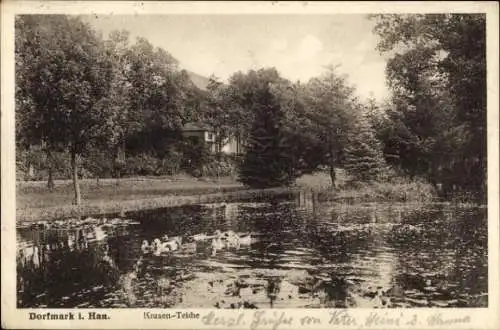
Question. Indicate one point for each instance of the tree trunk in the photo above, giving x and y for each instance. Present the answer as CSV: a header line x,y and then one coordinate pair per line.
x,y
76,186
219,143
331,162
50,181
332,173
119,158
31,172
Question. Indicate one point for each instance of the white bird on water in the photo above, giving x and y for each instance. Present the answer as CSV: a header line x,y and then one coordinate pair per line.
x,y
217,244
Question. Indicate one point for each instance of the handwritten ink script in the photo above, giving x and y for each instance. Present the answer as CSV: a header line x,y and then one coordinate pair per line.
x,y
334,319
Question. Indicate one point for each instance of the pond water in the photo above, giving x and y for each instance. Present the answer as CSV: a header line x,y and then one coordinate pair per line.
x,y
325,255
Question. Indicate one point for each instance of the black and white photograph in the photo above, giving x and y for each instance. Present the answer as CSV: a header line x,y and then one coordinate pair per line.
x,y
251,161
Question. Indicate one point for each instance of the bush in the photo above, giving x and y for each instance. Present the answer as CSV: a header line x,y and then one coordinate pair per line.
x,y
143,164
219,167
171,164
390,187
97,164
40,162
415,190
146,164
398,189
196,154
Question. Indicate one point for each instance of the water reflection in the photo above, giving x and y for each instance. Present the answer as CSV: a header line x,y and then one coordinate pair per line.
x,y
303,254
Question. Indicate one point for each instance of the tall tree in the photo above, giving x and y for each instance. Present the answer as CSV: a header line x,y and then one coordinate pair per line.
x,y
239,97
268,160
118,98
161,99
62,76
331,105
437,72
304,144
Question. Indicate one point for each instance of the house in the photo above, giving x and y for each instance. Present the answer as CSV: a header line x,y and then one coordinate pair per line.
x,y
208,135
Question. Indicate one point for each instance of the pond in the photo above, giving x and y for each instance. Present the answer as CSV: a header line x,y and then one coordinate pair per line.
x,y
300,255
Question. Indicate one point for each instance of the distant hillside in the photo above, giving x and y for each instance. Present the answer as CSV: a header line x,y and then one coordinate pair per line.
x,y
199,81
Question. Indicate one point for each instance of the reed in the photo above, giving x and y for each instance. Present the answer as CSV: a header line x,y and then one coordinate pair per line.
x,y
394,190
381,192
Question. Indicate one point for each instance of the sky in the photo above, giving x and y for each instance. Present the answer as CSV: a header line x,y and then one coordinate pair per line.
x,y
299,46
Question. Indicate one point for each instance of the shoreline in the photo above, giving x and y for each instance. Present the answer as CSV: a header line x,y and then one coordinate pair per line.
x,y
93,208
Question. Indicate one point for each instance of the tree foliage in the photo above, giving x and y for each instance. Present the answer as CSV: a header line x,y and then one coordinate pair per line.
x,y
159,98
363,157
219,112
438,78
63,76
268,160
331,112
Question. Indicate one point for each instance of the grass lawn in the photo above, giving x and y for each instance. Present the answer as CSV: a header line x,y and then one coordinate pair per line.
x,y
36,194
34,200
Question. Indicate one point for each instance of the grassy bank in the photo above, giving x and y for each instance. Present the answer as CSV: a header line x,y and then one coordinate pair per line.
x,y
36,195
35,202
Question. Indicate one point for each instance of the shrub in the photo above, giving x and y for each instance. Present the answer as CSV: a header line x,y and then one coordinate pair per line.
x,y
415,190
391,187
40,163
171,164
196,154
219,167
142,164
97,164
398,189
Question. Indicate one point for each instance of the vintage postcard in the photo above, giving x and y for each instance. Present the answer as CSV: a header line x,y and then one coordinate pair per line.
x,y
250,165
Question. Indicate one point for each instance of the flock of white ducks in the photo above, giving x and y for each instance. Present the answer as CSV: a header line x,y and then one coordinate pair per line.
x,y
162,245
229,239
218,241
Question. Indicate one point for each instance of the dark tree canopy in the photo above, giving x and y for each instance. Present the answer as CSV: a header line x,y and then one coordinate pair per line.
x,y
437,72
63,76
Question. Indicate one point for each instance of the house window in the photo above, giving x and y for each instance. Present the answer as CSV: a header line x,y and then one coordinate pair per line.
x,y
210,136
